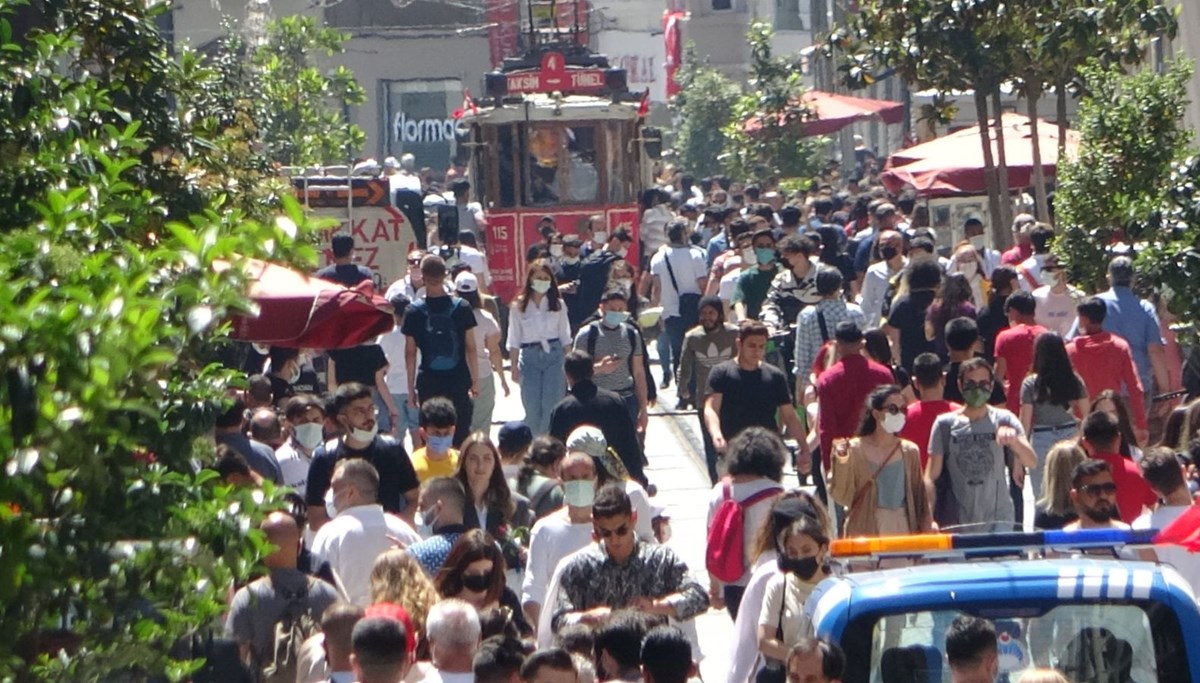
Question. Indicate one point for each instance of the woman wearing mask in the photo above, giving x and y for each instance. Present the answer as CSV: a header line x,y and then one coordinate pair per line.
x,y
801,550
474,572
622,276
1114,404
968,262
491,505
589,439
487,351
538,477
539,333
877,475
1053,399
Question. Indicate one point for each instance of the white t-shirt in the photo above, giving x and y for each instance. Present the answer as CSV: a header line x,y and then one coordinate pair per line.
x,y
786,592
393,344
553,538
653,228
351,541
688,264
1056,312
753,517
293,464
1187,564
485,326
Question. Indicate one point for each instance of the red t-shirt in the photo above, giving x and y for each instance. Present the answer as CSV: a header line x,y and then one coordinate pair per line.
x,y
918,423
1133,493
1015,346
1104,361
842,392
1017,254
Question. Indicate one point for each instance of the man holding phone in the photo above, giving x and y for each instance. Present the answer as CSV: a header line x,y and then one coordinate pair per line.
x,y
617,347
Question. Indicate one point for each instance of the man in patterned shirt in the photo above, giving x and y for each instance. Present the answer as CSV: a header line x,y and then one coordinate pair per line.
x,y
815,324
620,572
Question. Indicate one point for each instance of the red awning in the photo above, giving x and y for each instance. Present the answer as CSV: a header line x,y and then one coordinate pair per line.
x,y
952,165
830,113
296,310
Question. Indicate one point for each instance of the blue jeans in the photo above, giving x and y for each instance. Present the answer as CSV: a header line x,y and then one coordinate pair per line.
x,y
543,384
1042,442
410,417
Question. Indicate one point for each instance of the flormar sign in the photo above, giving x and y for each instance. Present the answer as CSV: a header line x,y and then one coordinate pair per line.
x,y
554,75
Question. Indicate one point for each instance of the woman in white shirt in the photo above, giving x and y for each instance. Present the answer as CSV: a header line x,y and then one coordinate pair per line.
x,y
539,335
487,352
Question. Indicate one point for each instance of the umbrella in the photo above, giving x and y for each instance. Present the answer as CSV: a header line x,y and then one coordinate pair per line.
x,y
830,113
952,165
296,310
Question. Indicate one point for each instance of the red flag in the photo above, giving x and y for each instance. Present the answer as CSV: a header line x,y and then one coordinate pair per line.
x,y
1184,531
644,106
467,105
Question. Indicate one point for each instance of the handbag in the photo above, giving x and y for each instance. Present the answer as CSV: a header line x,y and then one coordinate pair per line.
x,y
774,671
862,490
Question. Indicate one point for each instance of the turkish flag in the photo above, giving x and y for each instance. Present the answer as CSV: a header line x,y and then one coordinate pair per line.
x,y
1184,531
673,35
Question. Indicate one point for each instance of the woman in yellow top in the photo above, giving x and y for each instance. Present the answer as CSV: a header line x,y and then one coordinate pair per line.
x,y
877,475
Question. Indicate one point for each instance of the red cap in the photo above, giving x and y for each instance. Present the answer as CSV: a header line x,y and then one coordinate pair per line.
x,y
390,610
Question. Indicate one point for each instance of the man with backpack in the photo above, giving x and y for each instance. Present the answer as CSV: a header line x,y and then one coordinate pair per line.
x,y
618,351
438,327
271,617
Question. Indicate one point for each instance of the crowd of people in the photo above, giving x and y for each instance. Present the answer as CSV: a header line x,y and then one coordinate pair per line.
x,y
913,382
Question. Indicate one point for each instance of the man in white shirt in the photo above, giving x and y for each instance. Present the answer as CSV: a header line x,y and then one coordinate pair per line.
x,y
680,274
875,282
1056,300
973,232
360,531
452,629
560,533
1030,270
304,417
394,344
1168,480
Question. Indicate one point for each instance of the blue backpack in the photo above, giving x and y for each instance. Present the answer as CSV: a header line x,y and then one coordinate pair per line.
x,y
442,341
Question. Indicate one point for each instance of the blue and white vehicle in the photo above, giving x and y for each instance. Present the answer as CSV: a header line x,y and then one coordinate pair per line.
x,y
1094,619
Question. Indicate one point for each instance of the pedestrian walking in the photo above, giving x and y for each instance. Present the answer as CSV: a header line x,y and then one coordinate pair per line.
x,y
539,334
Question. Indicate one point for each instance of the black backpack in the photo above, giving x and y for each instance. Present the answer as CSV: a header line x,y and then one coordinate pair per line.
x,y
441,336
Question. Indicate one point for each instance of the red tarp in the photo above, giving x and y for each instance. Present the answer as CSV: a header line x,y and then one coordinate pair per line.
x,y
832,113
296,310
952,165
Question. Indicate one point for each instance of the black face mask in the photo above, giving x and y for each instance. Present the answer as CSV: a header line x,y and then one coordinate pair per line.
x,y
476,582
888,253
804,567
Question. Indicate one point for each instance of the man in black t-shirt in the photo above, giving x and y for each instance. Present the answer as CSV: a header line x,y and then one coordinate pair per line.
x,y
439,327
355,411
593,275
342,270
746,392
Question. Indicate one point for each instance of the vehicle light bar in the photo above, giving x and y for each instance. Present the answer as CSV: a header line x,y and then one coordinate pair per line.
x,y
932,544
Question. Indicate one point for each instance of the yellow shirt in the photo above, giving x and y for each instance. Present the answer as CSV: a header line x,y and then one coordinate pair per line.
x,y
428,468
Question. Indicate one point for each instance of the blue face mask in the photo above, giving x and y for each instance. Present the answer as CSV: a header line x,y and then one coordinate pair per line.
x,y
440,444
615,318
764,255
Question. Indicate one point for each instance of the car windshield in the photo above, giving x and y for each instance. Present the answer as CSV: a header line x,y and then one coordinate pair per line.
x,y
1089,643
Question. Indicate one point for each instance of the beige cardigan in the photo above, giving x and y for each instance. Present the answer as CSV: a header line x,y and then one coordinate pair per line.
x,y
853,471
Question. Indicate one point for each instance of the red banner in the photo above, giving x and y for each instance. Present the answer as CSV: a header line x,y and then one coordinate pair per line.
x,y
504,27
673,35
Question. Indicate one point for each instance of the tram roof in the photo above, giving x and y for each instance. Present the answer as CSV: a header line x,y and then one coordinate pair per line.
x,y
544,107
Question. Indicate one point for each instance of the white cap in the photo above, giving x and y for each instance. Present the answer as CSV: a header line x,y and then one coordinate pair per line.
x,y
391,162
466,282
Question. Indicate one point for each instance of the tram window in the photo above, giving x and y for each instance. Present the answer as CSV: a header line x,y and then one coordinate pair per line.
x,y
506,174
583,179
563,164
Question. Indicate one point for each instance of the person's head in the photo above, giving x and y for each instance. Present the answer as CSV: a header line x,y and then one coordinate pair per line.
x,y
1020,307
233,469
802,546
355,411
1004,282
578,472
962,335
925,275
414,259
473,571
337,627
929,373
342,247
442,501
1022,225
751,342
956,290
677,232
885,410
546,455
1042,676
1091,311
967,261
578,367
666,656
498,660
885,216
796,249
285,363
233,419
1059,467
619,241
621,273
355,483
258,392
890,244
540,281
1162,471
756,452
398,578
922,249
975,382
1041,237
1173,429
461,187
1093,491
1120,272
614,307
433,273
618,645
304,416
613,521
452,629
973,228
829,282
848,338
379,650
552,665
815,661
711,313
482,474
283,532
437,420
763,242
971,647
1101,432
1056,380
1109,401
790,214
513,440
466,286
1052,273
876,346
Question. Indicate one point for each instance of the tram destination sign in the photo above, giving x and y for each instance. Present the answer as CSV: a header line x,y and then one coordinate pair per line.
x,y
554,75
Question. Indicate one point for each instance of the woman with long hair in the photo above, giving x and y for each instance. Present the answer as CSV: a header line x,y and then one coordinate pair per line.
x,y
1053,399
1114,404
954,300
1054,508
879,349
1173,429
538,478
491,505
968,262
877,475
474,572
621,275
487,351
398,578
539,334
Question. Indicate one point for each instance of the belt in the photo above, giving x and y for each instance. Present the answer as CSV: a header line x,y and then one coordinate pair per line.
x,y
1055,428
541,344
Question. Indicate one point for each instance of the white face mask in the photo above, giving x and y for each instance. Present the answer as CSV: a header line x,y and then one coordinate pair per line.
x,y
330,507
540,286
599,237
295,375
580,493
623,252
570,260
1048,278
556,250
424,521
748,256
978,241
968,269
365,435
624,282
892,424
309,435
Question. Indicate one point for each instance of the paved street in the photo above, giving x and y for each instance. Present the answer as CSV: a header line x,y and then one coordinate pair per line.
x,y
676,467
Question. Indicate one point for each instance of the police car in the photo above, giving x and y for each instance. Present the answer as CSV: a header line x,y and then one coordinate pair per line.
x,y
1092,618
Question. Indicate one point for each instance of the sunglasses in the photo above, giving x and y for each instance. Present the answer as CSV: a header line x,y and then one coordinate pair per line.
x,y
977,385
1096,489
892,409
619,532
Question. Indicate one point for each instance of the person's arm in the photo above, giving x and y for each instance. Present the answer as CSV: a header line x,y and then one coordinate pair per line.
x,y
712,419
787,412
410,366
1010,436
492,342
687,365
655,290
639,389
382,388
688,600
564,329
1027,417
1162,378
472,363
514,344
893,335
933,470
930,333
1001,373
768,620
331,373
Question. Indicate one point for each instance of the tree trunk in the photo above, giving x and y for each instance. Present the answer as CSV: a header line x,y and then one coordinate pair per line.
x,y
1000,231
1002,163
1032,94
1060,91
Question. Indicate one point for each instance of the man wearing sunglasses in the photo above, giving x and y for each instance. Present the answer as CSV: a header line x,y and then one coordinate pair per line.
x,y
1094,495
620,572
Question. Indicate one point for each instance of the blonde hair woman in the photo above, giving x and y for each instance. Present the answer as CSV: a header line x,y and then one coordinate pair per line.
x,y
1054,508
398,578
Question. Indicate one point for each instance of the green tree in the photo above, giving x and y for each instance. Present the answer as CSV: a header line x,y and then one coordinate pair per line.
x,y
1131,142
119,197
703,108
773,97
1171,259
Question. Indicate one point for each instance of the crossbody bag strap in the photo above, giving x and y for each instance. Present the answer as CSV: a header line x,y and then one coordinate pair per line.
x,y
862,491
821,323
671,271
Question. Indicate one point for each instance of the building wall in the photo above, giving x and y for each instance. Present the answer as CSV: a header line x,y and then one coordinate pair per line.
x,y
1187,43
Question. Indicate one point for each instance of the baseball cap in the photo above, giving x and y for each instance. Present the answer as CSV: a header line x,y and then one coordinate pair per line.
x,y
466,282
514,436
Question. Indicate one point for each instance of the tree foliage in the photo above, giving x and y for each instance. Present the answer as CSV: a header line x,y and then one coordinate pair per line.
x,y
1131,142
703,108
1170,258
129,171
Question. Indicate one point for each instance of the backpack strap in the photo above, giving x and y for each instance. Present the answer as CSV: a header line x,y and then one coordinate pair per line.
x,y
593,334
632,333
1033,283
760,496
727,488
